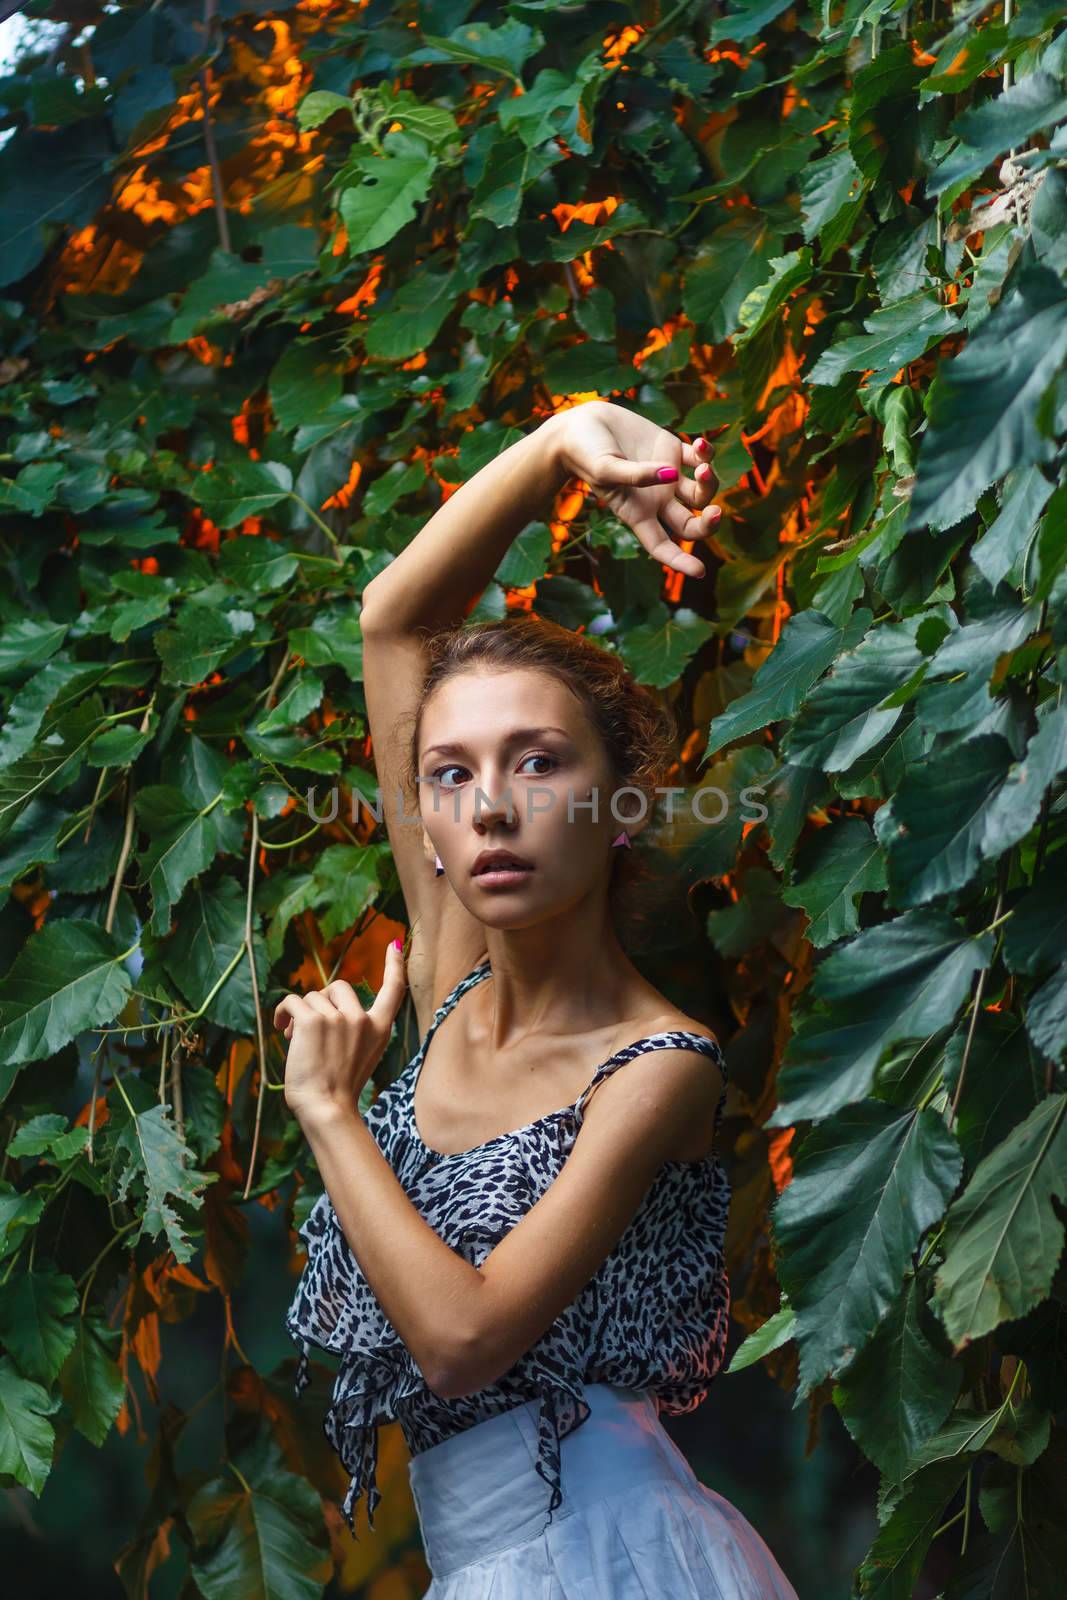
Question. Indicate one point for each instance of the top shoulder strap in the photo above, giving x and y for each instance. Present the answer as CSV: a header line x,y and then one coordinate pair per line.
x,y
666,1039
452,999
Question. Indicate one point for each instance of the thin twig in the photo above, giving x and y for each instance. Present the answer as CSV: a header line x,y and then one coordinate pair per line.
x,y
177,1098
209,138
260,1045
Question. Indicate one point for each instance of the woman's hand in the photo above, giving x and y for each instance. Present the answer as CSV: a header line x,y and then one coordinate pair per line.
x,y
334,1045
619,454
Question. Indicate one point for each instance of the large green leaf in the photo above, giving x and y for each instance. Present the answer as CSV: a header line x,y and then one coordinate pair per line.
x,y
383,199
983,409
259,1531
809,644
240,489
868,1182
843,717
1004,1236
68,977
185,838
203,954
899,1389
92,1379
896,334
657,651
965,806
49,181
27,1438
905,979
838,864
35,1321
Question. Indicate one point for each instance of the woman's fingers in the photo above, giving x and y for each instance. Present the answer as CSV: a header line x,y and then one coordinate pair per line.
x,y
616,471
691,524
318,1002
289,1010
696,492
341,994
662,548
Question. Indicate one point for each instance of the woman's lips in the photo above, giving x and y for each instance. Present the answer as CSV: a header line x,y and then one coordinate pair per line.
x,y
499,876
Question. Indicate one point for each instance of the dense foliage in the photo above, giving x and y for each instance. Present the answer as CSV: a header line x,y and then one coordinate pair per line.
x,y
278,278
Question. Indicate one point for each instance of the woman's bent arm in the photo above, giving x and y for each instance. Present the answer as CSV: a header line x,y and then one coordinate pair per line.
x,y
432,582
425,1289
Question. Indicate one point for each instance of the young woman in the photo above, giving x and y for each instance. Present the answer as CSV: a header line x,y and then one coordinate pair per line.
x,y
522,1271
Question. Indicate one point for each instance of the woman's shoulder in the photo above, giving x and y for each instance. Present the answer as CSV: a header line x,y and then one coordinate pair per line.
x,y
670,1019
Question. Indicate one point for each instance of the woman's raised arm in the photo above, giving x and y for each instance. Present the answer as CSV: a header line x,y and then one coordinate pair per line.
x,y
435,579
432,582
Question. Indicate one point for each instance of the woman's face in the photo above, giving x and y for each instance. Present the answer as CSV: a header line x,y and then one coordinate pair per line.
x,y
518,732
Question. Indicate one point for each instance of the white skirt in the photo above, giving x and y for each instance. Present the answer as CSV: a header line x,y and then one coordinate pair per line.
x,y
635,1522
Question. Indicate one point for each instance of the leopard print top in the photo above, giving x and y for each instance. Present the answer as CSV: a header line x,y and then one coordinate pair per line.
x,y
654,1316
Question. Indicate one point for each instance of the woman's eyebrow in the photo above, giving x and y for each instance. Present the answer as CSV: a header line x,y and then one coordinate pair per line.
x,y
516,736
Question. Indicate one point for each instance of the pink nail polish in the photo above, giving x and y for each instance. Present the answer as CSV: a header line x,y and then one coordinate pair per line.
x,y
700,443
397,945
703,472
667,474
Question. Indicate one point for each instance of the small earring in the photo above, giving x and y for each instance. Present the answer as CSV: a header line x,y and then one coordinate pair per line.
x,y
623,839
438,867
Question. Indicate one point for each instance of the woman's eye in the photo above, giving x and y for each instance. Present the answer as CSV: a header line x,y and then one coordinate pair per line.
x,y
541,756
453,768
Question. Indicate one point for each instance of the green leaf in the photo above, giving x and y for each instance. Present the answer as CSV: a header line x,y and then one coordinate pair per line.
x,y
659,651
808,645
315,107
772,1335
335,640
307,379
29,642
204,946
200,638
898,1391
185,837
66,978
965,806
26,1438
904,979
832,191
843,717
997,553
240,489
148,1152
896,334
588,368
746,18
1003,1236
383,201
48,1132
260,1536
92,1380
866,1185
733,261
837,864
983,405
48,179
17,1213
891,1567
35,1325
1036,102
346,875
414,316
